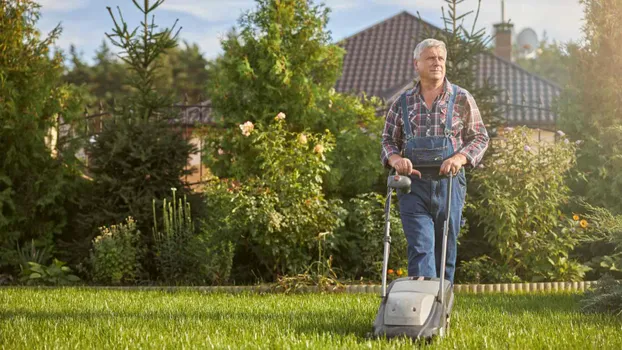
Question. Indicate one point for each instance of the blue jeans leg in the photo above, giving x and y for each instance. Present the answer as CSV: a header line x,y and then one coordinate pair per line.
x,y
418,225
423,214
440,204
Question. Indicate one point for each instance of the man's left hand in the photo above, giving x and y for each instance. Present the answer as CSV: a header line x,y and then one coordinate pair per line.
x,y
453,164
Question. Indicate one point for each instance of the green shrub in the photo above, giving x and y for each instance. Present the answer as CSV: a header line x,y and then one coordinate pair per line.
x,y
273,217
184,256
606,297
357,247
54,274
35,173
483,269
518,200
116,254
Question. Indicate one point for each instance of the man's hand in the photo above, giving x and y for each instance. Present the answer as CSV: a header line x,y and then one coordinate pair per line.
x,y
453,164
403,166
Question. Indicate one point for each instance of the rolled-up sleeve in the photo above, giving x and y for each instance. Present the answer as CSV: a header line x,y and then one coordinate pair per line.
x,y
474,135
392,134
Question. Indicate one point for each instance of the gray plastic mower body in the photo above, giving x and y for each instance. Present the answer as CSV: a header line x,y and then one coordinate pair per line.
x,y
412,308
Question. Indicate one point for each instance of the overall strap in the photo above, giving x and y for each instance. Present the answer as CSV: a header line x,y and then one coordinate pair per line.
x,y
407,128
450,111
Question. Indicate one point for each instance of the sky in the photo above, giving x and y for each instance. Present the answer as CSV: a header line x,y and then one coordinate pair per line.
x,y
205,22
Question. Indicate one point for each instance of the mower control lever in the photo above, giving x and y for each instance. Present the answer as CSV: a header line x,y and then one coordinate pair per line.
x,y
399,182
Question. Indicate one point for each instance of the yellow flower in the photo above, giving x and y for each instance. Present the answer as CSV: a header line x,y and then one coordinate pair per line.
x,y
583,223
575,217
400,272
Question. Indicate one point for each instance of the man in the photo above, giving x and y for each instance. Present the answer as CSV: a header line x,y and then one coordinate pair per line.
x,y
407,148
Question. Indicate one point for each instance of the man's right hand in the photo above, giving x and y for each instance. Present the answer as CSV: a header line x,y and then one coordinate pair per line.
x,y
403,166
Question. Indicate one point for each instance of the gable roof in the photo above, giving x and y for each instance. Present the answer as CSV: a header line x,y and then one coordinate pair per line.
x,y
378,61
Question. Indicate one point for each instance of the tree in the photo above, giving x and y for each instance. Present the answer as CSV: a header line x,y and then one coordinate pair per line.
x,y
589,106
139,155
282,60
550,62
34,185
182,71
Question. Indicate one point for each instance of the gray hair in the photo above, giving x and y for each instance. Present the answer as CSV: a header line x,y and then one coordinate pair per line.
x,y
427,43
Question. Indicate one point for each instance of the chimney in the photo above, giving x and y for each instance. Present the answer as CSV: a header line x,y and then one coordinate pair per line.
x,y
503,36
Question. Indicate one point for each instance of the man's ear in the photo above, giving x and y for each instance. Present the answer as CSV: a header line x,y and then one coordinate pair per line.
x,y
415,65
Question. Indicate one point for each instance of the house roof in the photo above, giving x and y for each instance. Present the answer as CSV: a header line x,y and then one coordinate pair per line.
x,y
378,61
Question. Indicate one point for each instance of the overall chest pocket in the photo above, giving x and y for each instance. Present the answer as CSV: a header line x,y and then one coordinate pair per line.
x,y
428,151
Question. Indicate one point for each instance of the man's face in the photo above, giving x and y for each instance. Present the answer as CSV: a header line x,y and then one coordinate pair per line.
x,y
431,64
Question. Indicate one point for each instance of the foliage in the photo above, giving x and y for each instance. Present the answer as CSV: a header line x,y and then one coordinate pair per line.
x,y
182,70
465,46
31,253
35,174
131,163
273,217
282,59
605,228
550,61
140,154
518,200
357,247
589,106
182,255
606,297
483,269
115,256
54,274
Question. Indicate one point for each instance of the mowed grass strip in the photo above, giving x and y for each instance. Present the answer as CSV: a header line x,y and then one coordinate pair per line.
x,y
81,318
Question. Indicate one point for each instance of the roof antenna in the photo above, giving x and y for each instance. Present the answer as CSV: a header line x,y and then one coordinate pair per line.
x,y
502,11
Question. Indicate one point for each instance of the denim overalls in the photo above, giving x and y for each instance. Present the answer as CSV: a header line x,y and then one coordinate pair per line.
x,y
423,210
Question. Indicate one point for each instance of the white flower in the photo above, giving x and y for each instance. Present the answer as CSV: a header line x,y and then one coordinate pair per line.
x,y
220,152
566,141
247,128
302,139
318,148
280,116
561,133
578,142
527,148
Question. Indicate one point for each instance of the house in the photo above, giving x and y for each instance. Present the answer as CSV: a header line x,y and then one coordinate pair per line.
x,y
378,61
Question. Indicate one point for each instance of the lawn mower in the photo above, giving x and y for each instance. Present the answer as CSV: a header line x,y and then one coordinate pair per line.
x,y
415,307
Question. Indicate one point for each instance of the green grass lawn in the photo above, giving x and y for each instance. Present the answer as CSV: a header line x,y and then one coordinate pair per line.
x,y
87,318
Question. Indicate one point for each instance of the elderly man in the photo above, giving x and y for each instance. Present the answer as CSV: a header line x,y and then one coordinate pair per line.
x,y
432,130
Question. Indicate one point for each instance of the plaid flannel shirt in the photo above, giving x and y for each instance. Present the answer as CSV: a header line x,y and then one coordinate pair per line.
x,y
470,137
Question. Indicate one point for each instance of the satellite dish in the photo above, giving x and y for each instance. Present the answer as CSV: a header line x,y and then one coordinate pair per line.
x,y
527,41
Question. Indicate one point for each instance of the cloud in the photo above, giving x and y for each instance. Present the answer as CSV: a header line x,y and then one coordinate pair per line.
x,y
219,11
215,11
536,14
62,5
